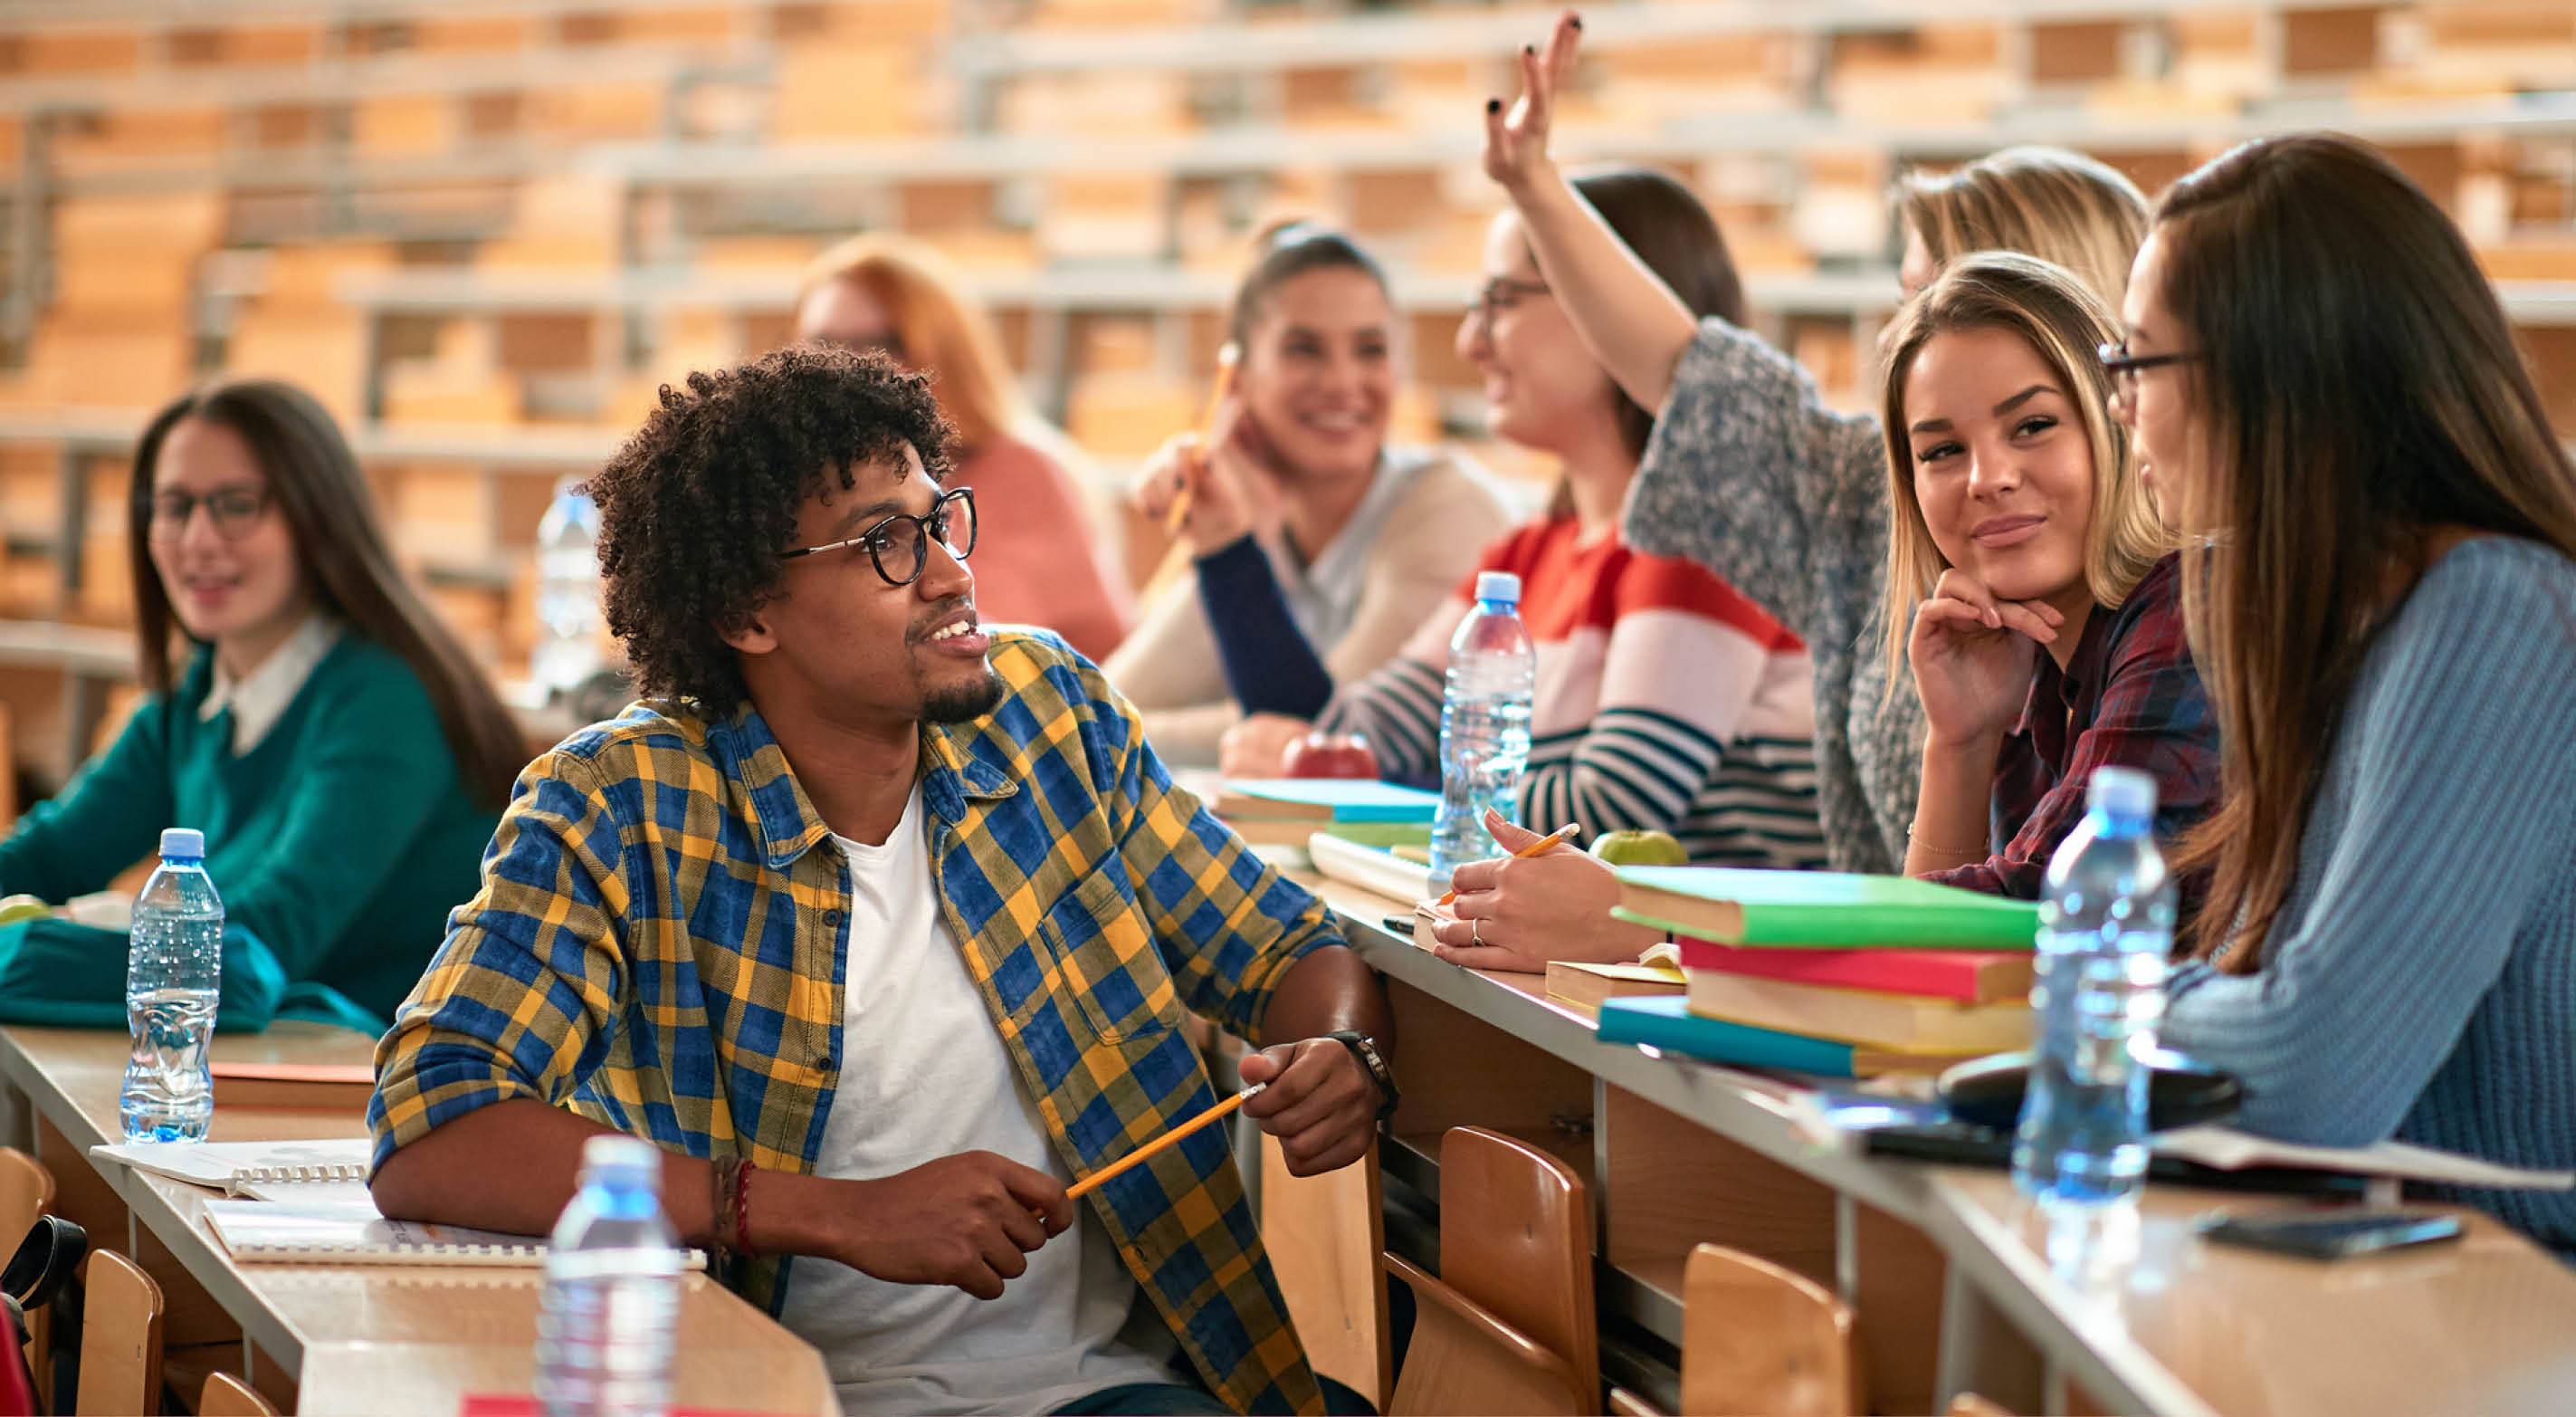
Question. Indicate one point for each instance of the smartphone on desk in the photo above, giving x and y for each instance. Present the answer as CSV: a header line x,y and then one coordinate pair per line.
x,y
2330,1234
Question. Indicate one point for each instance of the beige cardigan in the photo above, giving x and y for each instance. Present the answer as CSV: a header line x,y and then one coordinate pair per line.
x,y
1422,544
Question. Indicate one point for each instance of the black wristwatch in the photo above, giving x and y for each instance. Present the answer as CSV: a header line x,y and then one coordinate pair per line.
x,y
1364,1048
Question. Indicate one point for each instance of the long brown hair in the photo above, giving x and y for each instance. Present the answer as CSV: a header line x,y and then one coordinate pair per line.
x,y
1674,236
2047,202
941,332
2357,391
2064,322
314,480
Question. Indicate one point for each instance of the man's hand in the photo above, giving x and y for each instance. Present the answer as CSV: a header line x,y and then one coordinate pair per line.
x,y
1320,1103
969,1220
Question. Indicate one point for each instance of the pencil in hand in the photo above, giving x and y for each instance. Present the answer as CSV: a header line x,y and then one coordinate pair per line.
x,y
1165,1142
1179,513
1548,842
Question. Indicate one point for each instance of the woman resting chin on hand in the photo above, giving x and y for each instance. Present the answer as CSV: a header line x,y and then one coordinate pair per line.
x,y
1519,912
1973,666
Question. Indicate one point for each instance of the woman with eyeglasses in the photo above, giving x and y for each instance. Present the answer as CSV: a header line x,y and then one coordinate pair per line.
x,y
1748,471
305,710
2383,573
1301,490
1665,699
1044,560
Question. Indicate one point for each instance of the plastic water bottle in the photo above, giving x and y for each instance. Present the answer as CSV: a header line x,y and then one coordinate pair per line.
x,y
173,972
1484,724
567,649
604,1332
2106,918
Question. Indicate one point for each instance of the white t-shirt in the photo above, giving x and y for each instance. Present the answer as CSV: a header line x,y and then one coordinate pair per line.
x,y
924,1075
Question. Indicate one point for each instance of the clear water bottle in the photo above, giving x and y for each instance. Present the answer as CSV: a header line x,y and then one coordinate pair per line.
x,y
2106,919
173,972
604,1332
1484,724
567,649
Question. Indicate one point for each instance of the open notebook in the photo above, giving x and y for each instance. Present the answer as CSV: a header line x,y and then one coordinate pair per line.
x,y
234,1167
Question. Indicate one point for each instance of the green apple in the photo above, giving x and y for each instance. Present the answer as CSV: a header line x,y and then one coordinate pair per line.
x,y
23,907
1640,848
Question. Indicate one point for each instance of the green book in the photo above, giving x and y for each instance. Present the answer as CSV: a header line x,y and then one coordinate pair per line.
x,y
1821,910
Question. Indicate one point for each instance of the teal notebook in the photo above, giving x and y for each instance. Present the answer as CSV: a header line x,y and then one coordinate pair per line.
x,y
1332,800
1821,910
1665,1021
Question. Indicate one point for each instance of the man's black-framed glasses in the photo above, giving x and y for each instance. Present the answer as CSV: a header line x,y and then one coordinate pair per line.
x,y
2124,369
899,546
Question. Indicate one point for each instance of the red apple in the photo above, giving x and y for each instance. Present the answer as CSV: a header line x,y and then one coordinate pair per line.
x,y
1328,755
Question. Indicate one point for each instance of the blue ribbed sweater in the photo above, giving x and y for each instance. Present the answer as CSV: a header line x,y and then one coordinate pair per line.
x,y
2421,981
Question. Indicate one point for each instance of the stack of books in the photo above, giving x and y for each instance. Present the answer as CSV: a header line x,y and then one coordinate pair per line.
x,y
1842,975
1286,811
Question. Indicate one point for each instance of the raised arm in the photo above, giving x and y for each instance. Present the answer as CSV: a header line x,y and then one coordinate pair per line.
x,y
1630,320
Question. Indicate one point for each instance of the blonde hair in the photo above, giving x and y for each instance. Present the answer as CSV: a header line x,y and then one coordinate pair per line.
x,y
2060,206
942,334
2064,323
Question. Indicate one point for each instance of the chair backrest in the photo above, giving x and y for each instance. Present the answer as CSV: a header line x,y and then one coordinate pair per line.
x,y
1624,1403
120,1360
1324,1234
1968,1404
1463,1361
1761,1341
1516,1238
229,1396
26,1194
26,1191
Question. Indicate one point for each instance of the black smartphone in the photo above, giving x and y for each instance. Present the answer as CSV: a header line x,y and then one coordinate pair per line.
x,y
2330,1234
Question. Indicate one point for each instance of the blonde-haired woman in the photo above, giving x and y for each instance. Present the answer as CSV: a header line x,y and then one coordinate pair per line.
x,y
1749,473
2031,586
1040,558
2328,395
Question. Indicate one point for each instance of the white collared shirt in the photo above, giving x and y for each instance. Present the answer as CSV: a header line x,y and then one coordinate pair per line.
x,y
258,698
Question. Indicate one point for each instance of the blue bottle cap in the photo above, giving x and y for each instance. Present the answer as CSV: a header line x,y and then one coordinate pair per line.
x,y
183,843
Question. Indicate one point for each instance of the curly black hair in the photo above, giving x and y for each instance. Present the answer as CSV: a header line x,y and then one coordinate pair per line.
x,y
694,509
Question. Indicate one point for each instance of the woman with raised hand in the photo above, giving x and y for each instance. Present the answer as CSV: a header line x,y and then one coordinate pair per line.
x,y
344,758
2383,578
1665,699
1040,557
1363,538
1748,472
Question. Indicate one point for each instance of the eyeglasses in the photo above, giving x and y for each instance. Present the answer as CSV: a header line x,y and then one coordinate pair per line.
x,y
235,511
2124,369
1502,293
900,545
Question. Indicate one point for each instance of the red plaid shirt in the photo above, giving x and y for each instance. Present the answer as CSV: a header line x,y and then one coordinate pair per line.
x,y
2127,696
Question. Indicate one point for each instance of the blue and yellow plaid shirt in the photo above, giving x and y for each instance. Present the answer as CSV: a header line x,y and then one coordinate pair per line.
x,y
659,939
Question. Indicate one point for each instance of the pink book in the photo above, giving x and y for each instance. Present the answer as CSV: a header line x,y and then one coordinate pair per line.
x,y
1970,977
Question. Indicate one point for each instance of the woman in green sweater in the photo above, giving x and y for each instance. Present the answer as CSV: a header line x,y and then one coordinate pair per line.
x,y
344,758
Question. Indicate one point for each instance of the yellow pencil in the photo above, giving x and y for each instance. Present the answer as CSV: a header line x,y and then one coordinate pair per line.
x,y
1140,1155
1563,833
1226,358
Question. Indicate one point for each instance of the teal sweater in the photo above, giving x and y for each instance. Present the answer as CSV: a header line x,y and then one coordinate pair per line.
x,y
340,840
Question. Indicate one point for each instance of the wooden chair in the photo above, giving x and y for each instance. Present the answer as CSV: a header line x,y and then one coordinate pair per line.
x,y
1324,1235
1508,1327
1762,1341
1624,1403
27,1192
120,1361
1968,1404
229,1396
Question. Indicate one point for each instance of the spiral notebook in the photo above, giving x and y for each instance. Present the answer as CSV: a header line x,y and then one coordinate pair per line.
x,y
274,1232
232,1166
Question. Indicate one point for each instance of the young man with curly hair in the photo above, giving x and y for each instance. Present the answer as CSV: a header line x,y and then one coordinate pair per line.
x,y
884,926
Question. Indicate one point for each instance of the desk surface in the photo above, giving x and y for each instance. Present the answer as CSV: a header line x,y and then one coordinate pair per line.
x,y
380,1339
2160,1321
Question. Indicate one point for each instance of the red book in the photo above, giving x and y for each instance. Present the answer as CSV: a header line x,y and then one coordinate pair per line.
x,y
1970,977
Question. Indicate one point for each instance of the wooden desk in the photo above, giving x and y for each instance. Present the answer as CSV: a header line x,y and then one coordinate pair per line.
x,y
357,1338
1682,1151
